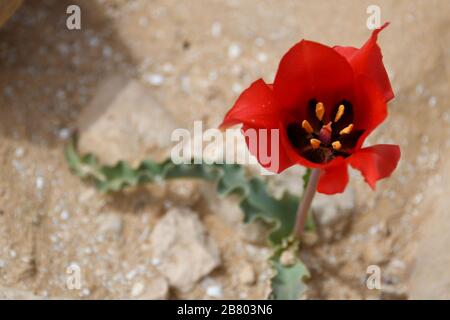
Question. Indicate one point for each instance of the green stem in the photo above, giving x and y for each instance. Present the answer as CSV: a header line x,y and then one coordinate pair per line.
x,y
305,203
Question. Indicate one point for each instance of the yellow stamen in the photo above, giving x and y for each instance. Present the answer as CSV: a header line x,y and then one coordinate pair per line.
x,y
336,145
320,110
307,126
315,143
339,113
347,129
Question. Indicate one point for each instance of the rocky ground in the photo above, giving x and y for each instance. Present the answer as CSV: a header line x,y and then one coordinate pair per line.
x,y
136,70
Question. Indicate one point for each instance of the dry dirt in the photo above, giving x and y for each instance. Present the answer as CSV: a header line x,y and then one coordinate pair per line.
x,y
195,57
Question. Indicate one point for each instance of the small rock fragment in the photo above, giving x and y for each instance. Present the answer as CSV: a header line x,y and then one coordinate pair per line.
x,y
376,251
214,291
391,292
184,249
110,225
310,238
137,289
125,122
247,275
156,289
287,258
183,192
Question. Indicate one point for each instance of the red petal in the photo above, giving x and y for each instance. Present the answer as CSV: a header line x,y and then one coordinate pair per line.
x,y
271,155
334,177
376,162
255,107
370,107
369,61
311,70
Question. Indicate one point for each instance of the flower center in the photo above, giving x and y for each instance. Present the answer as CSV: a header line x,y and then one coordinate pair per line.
x,y
323,136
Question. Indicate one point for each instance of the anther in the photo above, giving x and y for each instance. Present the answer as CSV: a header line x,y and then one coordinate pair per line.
x,y
320,110
347,129
339,113
315,143
307,126
336,145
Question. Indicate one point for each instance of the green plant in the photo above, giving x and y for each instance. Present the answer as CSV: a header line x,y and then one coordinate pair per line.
x,y
288,280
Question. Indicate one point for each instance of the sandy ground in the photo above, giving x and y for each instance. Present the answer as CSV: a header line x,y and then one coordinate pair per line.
x,y
195,57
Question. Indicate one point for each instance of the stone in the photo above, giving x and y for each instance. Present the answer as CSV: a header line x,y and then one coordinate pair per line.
x,y
392,292
332,213
214,291
184,192
125,122
247,275
156,289
287,258
183,247
16,294
110,225
230,213
309,238
376,251
137,289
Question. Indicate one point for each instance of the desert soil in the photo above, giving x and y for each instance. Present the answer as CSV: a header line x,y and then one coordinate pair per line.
x,y
194,58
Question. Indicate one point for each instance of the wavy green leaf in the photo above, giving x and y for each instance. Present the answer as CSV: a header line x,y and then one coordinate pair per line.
x,y
288,281
256,202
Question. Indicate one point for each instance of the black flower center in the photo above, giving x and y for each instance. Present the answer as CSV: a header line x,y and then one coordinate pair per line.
x,y
322,137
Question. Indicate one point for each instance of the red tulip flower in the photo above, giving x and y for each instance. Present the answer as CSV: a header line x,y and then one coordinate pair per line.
x,y
324,101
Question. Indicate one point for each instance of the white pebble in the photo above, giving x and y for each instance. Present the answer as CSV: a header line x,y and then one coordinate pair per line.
x,y
137,289
130,275
39,183
156,261
107,52
214,291
20,152
420,89
262,57
167,67
154,79
237,88
64,134
93,42
432,101
65,215
259,41
234,51
212,76
216,29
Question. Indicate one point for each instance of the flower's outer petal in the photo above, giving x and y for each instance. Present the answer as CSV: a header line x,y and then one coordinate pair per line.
x,y
347,52
259,113
311,70
370,107
369,61
375,162
255,107
334,177
268,147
